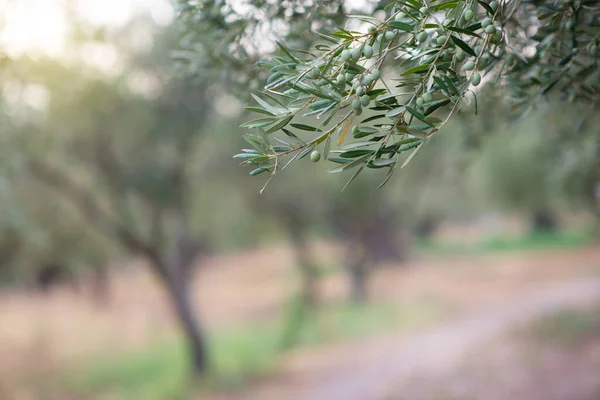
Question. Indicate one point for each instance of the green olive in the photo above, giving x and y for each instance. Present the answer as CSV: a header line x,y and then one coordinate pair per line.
x,y
423,10
468,15
475,79
356,105
315,73
400,16
483,62
494,5
486,22
490,29
421,37
460,55
315,156
367,80
420,101
360,91
355,130
469,65
441,39
375,74
447,22
346,55
365,100
355,54
390,35
341,79
368,51
349,76
427,97
372,29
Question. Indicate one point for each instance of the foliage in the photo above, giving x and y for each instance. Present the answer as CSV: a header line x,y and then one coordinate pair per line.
x,y
409,70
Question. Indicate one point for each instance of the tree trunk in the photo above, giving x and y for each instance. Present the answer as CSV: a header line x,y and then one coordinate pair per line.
x,y
307,269
178,290
295,226
101,285
543,221
358,269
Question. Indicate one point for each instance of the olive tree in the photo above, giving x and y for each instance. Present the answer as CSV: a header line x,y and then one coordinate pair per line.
x,y
392,77
122,155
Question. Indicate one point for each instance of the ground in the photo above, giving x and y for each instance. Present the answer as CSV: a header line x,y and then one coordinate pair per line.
x,y
68,332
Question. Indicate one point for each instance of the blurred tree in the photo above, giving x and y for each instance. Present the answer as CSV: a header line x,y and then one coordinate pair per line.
x,y
546,161
121,149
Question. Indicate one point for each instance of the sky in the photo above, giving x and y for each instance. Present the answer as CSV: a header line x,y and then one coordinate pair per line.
x,y
41,26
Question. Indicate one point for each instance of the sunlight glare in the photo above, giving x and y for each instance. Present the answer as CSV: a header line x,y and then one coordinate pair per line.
x,y
34,26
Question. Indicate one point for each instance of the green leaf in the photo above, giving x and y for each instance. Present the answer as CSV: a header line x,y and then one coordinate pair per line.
x,y
305,127
305,152
338,160
450,85
465,47
486,6
286,51
418,115
278,125
401,25
266,105
412,155
258,171
354,176
246,155
434,105
395,112
408,146
356,153
327,37
383,162
445,6
282,149
327,147
290,134
418,68
463,31
356,145
258,123
441,84
258,110
350,165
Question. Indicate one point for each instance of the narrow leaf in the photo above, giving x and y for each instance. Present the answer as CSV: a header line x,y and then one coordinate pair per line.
x,y
465,47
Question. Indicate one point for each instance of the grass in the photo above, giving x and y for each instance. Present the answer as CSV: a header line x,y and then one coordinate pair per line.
x,y
238,353
534,241
567,327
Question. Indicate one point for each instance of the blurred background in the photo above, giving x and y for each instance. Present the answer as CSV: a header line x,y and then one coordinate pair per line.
x,y
138,261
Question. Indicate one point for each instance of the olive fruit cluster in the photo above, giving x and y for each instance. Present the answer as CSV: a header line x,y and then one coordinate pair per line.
x,y
361,85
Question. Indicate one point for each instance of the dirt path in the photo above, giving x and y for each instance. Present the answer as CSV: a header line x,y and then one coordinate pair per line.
x,y
371,369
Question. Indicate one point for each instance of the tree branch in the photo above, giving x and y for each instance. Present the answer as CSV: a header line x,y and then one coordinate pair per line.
x,y
91,209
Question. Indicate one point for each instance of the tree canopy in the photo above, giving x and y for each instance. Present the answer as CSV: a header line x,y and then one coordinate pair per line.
x,y
393,75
